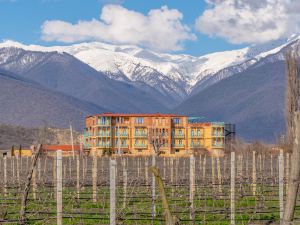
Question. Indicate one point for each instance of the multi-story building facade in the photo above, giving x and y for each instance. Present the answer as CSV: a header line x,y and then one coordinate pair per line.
x,y
140,134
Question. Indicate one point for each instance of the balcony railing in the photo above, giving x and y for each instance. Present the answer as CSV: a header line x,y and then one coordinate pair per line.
x,y
121,146
104,123
178,145
121,134
101,145
218,134
140,146
176,135
220,145
87,134
141,134
196,134
195,145
103,134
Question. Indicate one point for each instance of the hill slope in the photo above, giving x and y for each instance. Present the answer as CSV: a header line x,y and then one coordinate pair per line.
x,y
253,99
26,103
64,73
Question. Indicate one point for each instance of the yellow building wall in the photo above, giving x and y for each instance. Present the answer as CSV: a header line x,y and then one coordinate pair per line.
x,y
24,152
135,136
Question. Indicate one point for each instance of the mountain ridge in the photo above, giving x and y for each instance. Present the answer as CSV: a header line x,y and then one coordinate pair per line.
x,y
173,75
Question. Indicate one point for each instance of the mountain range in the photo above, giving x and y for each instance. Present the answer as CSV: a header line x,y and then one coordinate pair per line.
x,y
244,86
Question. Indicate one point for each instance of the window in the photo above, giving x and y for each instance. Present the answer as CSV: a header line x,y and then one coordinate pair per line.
x,y
192,132
139,120
180,132
180,142
120,120
176,120
177,150
198,132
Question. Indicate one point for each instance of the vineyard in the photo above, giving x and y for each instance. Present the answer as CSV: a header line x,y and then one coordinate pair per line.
x,y
246,188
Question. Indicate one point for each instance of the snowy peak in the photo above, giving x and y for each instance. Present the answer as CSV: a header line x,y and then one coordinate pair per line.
x,y
175,75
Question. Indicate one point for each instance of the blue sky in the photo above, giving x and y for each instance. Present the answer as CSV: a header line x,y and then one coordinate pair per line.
x,y
197,26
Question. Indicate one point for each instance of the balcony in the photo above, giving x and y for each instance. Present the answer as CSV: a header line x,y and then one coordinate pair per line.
x,y
178,145
103,134
140,146
121,146
218,145
218,134
195,135
102,145
87,134
105,124
121,134
176,135
140,134
196,145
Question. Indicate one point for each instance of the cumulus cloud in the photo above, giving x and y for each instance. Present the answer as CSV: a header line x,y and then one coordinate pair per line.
x,y
250,21
161,29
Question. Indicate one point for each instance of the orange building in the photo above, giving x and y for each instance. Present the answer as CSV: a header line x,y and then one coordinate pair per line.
x,y
139,134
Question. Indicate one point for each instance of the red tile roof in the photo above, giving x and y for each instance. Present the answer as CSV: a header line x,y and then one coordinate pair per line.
x,y
138,115
60,147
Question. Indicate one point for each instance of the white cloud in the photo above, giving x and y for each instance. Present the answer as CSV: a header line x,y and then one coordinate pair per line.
x,y
161,29
250,21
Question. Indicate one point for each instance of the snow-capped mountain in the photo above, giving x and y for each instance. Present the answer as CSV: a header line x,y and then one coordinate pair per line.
x,y
175,76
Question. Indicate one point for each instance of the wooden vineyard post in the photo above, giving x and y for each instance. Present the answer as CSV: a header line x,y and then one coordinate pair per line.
x,y
271,165
281,183
146,171
260,165
34,186
232,189
13,168
213,172
78,176
219,175
94,177
18,171
287,172
112,190
247,166
204,169
59,187
45,164
192,187
153,188
225,166
70,167
125,180
200,164
172,174
39,169
5,174
176,172
253,173
164,168
138,168
54,175
27,163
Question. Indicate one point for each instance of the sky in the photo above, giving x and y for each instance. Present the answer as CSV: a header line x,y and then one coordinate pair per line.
x,y
193,27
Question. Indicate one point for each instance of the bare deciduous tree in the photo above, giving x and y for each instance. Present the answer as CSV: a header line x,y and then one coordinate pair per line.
x,y
157,138
293,132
